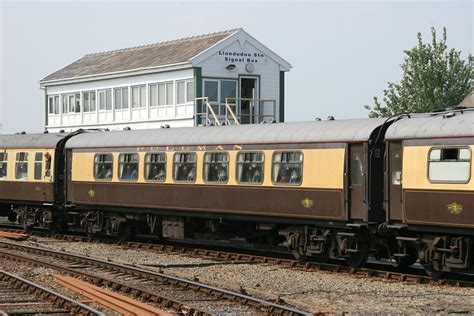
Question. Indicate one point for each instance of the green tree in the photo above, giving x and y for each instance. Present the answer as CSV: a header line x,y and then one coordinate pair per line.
x,y
433,78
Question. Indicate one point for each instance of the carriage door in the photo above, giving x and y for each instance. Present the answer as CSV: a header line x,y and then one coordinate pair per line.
x,y
68,176
395,180
357,181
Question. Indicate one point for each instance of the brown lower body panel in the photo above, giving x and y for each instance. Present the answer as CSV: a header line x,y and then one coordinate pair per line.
x,y
288,202
26,191
444,208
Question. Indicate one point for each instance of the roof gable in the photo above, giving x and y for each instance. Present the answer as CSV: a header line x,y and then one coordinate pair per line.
x,y
241,37
141,57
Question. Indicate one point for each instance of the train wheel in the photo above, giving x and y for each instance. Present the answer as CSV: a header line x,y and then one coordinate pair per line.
x,y
358,259
125,232
299,256
435,274
408,260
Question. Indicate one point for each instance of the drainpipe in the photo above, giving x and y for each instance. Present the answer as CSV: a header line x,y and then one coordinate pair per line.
x,y
45,107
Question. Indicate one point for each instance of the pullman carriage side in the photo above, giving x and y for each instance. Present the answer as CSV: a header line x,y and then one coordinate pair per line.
x,y
249,183
431,189
28,175
263,182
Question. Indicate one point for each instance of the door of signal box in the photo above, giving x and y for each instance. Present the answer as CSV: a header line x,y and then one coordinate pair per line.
x,y
357,167
395,159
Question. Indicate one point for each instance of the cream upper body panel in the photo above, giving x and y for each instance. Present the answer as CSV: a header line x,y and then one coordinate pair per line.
x,y
415,170
322,167
46,175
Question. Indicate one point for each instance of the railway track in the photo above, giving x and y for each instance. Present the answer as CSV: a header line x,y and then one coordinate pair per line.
x,y
165,291
371,270
19,296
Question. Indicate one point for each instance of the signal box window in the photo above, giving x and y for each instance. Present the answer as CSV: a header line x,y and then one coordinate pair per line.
x,y
103,165
21,166
287,167
155,167
38,165
184,167
216,167
3,165
128,166
449,165
250,167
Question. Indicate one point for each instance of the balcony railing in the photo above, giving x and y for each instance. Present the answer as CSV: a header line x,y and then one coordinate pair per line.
x,y
234,111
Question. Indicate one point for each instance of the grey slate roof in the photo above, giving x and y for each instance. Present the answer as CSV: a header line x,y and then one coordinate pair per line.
x,y
140,57
301,132
468,101
434,126
30,140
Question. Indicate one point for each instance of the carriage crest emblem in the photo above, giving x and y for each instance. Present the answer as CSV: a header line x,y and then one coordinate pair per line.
x,y
307,203
455,208
91,193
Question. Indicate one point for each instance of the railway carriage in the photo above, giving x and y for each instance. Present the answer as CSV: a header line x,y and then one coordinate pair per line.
x,y
430,190
30,177
306,183
400,188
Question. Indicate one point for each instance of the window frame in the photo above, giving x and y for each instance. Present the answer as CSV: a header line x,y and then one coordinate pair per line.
x,y
120,176
302,170
237,166
185,83
4,162
27,161
140,98
446,181
106,92
204,166
94,164
88,103
145,164
36,162
53,104
174,166
121,92
351,170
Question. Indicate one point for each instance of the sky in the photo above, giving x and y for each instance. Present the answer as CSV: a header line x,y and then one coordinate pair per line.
x,y
343,52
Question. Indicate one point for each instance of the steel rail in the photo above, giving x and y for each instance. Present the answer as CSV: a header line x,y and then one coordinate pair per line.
x,y
371,270
232,296
57,298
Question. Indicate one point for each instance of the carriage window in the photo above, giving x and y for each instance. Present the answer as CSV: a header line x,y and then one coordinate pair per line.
x,y
185,167
155,167
103,165
47,167
287,167
21,166
396,167
250,167
3,165
38,165
128,166
357,168
216,167
449,165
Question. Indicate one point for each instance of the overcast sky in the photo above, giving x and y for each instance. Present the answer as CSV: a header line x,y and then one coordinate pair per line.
x,y
343,53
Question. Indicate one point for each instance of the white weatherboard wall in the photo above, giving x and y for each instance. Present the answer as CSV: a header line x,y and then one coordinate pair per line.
x,y
142,118
241,53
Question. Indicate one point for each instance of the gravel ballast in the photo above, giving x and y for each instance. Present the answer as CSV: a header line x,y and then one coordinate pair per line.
x,y
317,291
